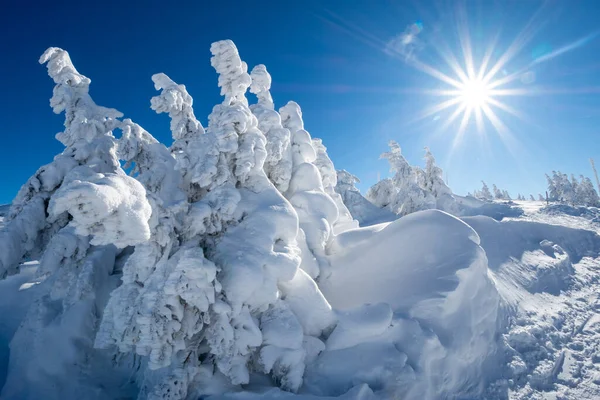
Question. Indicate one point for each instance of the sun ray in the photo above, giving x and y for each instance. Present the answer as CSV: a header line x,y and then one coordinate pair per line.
x,y
488,56
478,91
517,45
436,73
447,122
436,109
507,108
450,60
465,40
505,134
479,121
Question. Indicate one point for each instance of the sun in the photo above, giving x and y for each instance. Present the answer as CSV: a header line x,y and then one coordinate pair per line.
x,y
474,94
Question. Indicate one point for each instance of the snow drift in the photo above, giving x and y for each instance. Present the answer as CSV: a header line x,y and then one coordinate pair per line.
x,y
429,268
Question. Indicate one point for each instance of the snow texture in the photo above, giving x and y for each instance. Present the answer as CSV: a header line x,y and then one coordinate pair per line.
x,y
231,266
111,208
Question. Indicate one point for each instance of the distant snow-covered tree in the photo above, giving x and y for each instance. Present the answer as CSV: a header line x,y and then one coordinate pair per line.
x,y
407,196
432,181
531,197
383,193
561,188
586,193
485,193
498,195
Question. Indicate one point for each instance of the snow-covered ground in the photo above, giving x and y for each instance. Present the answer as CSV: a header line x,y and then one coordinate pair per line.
x,y
238,264
427,318
546,267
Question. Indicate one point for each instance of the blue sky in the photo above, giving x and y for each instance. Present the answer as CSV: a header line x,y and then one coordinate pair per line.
x,y
331,58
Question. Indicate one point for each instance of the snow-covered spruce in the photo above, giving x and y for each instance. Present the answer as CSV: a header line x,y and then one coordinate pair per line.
x,y
317,211
278,164
401,194
361,209
259,250
26,230
81,209
345,220
216,297
157,285
432,181
572,191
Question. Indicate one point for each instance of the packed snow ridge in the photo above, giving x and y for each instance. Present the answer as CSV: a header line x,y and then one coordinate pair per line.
x,y
237,263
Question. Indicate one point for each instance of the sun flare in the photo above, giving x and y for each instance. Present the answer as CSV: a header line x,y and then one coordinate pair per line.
x,y
474,94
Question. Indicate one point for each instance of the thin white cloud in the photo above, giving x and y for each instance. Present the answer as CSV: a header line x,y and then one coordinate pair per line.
x,y
406,44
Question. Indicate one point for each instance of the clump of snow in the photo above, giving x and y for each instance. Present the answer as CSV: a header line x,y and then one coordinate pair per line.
x,y
533,256
176,101
312,309
111,208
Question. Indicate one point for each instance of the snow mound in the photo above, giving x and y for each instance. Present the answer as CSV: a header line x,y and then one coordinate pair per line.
x,y
402,263
506,239
533,256
429,268
470,206
360,324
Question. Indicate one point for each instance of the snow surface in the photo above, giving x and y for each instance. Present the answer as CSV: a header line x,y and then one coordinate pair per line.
x,y
231,265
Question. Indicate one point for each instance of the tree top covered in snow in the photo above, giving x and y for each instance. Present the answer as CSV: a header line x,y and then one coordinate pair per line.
x,y
233,72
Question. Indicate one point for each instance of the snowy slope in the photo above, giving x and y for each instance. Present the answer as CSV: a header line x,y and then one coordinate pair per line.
x,y
546,267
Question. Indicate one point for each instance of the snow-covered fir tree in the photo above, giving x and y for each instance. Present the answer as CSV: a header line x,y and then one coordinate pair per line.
x,y
498,194
484,193
432,181
329,178
402,193
80,210
561,188
230,290
278,164
317,211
